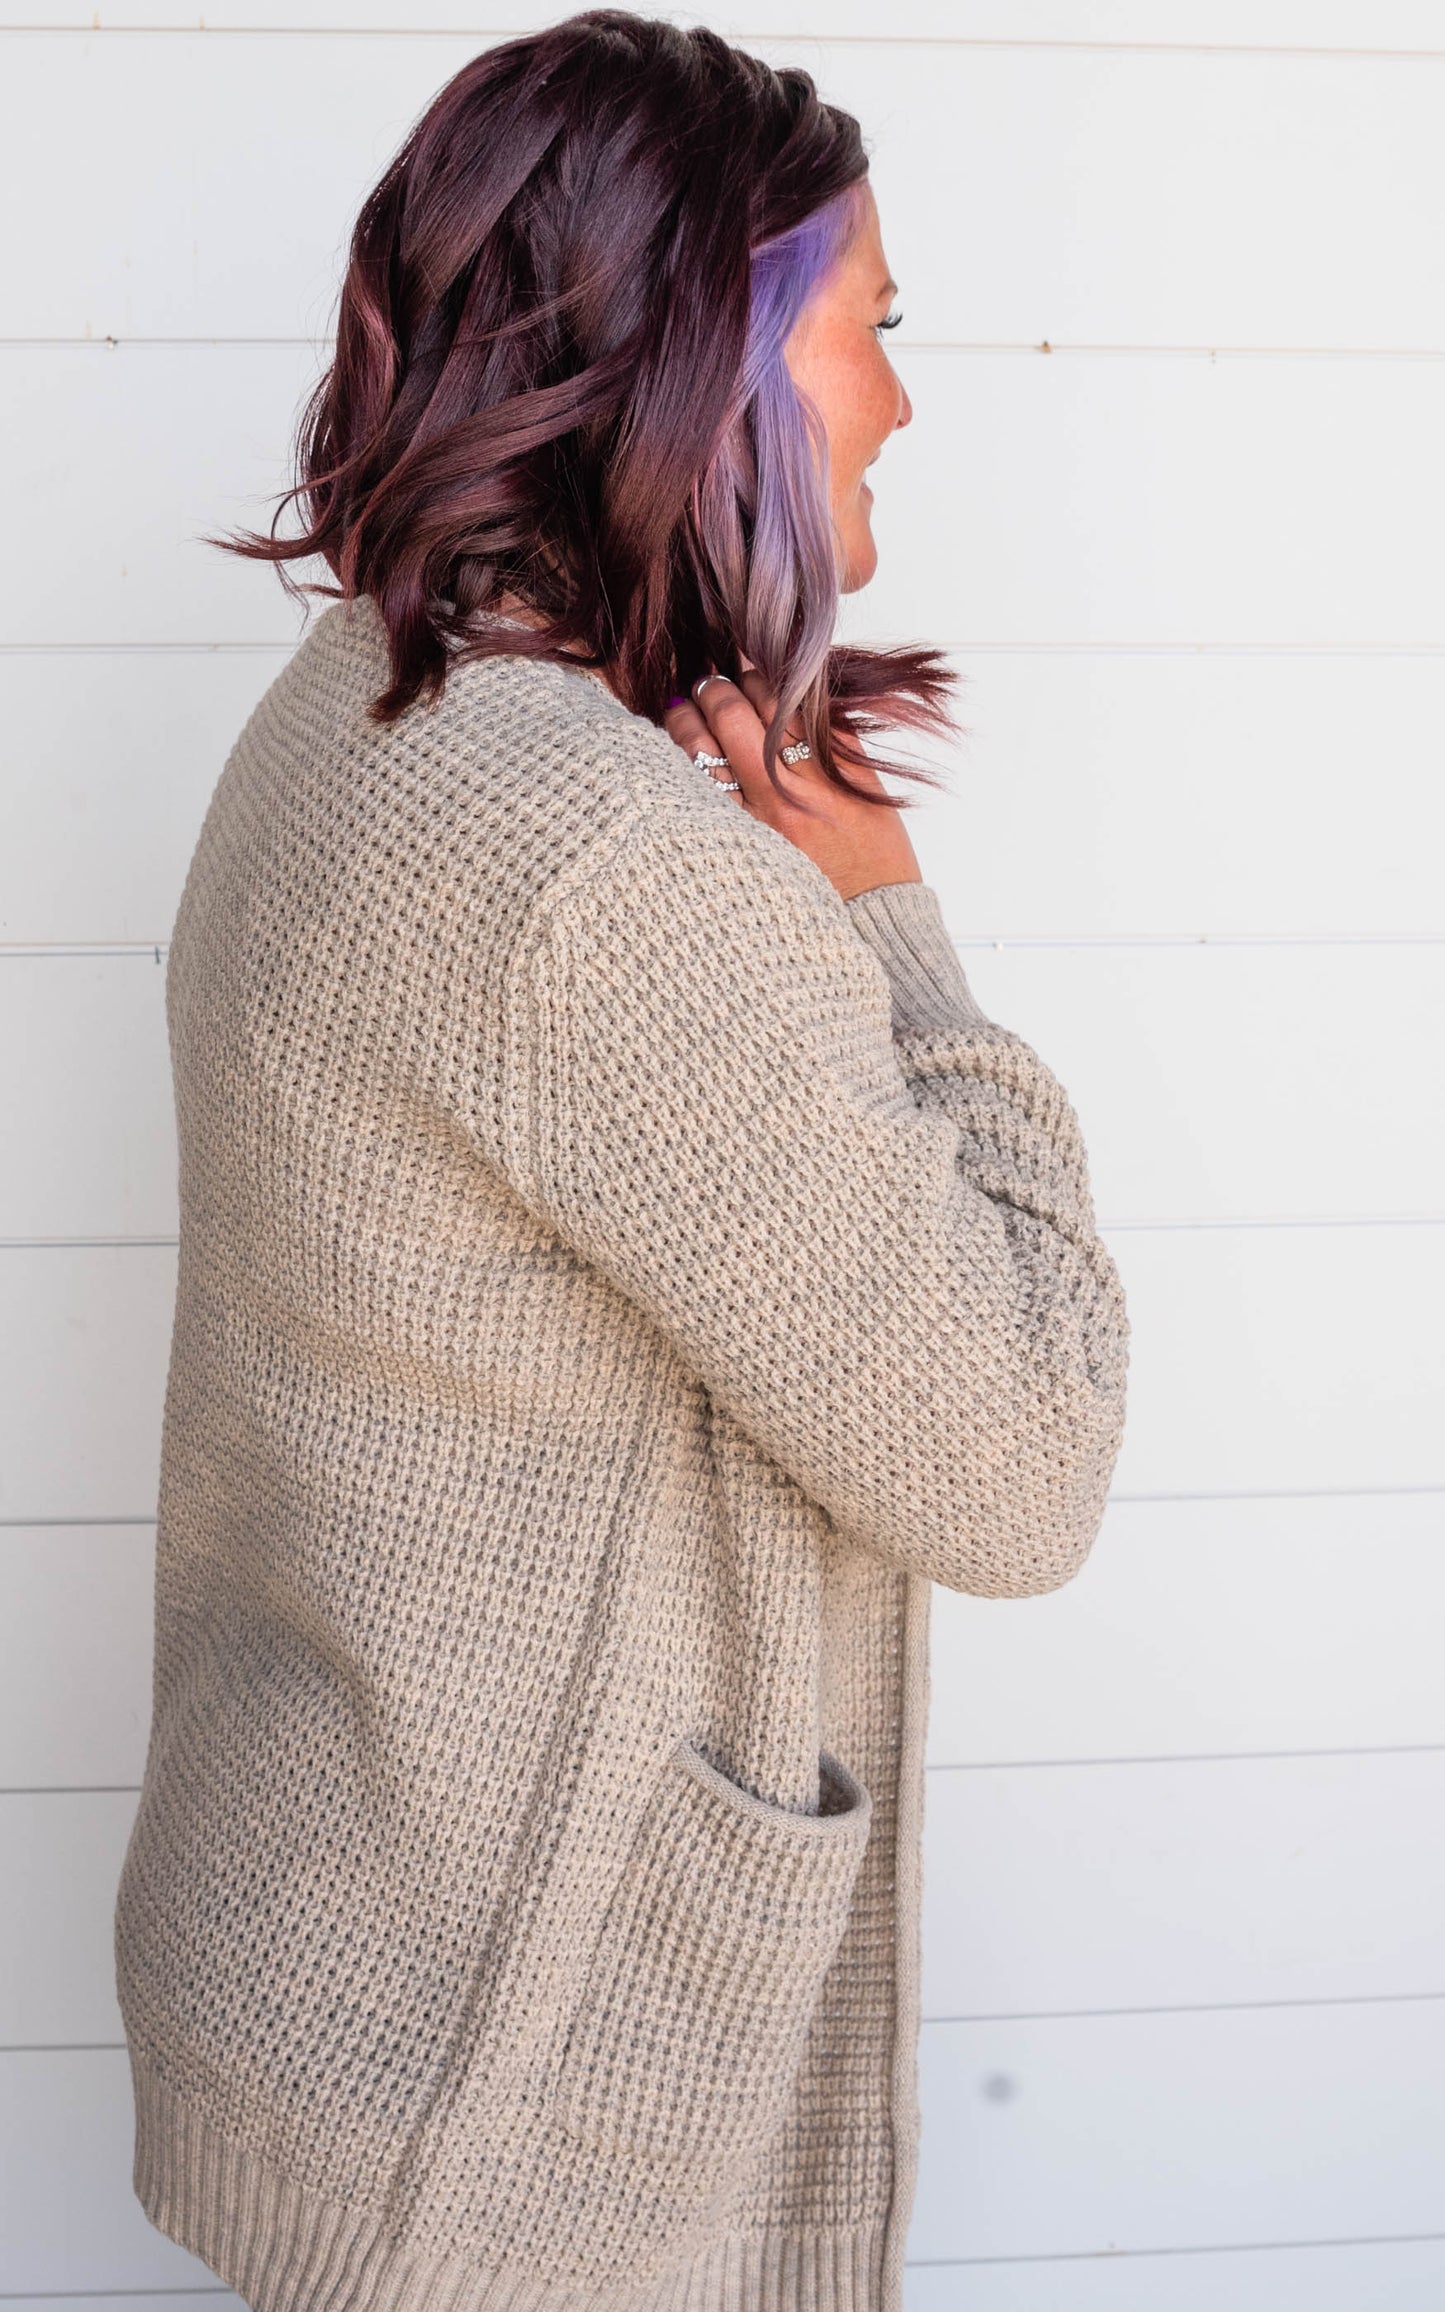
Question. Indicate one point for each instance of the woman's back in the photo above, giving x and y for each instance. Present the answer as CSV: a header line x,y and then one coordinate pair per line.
x,y
428,1478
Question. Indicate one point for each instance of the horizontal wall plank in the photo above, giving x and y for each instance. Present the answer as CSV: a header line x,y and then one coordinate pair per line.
x,y
110,762
1293,200
1094,793
83,1046
1405,2275
1205,1627
84,1339
1195,1627
1403,25
1262,1360
1169,1884
1091,2136
152,484
1103,793
1054,2138
1215,1082
1211,1082
75,1654
68,2215
57,1960
214,2298
1086,1888
1271,1359
1115,498
1119,499
200,216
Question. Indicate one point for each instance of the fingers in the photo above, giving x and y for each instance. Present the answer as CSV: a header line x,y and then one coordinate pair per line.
x,y
736,729
684,725
763,704
686,728
728,718
794,784
719,720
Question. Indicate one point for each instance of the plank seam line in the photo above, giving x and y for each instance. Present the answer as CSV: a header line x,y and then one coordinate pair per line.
x,y
62,2047
25,1524
1151,939
1199,2248
1127,1500
1279,1220
88,1243
70,950
1172,1758
1274,1493
1009,348
84,950
1104,647
770,36
927,2022
1192,2007
1107,1227
142,649
935,1766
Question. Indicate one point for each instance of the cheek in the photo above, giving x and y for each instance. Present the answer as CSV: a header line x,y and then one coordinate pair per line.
x,y
872,415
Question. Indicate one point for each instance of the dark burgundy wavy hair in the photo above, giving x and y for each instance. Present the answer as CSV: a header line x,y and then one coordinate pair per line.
x,y
559,379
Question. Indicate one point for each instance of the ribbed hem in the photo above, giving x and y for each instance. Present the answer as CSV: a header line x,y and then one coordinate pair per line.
x,y
903,924
285,2249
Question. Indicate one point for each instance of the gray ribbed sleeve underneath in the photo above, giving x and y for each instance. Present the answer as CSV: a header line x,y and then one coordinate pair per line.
x,y
904,926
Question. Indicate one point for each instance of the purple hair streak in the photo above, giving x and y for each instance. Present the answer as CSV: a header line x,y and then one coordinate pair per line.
x,y
762,523
559,379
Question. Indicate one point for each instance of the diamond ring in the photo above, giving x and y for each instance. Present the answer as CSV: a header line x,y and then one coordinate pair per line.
x,y
706,762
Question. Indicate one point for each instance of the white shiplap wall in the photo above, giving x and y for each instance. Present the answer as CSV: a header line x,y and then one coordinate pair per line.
x,y
1174,277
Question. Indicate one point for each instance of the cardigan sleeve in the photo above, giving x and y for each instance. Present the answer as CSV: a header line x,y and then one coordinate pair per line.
x,y
856,1208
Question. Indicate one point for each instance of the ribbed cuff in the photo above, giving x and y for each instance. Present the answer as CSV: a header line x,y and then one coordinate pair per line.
x,y
903,924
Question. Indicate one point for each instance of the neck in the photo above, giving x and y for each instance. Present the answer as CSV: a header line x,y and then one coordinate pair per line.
x,y
515,612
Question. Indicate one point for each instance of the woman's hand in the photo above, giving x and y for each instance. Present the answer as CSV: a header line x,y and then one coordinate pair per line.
x,y
855,844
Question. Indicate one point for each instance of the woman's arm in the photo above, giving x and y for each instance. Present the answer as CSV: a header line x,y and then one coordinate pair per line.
x,y
858,1208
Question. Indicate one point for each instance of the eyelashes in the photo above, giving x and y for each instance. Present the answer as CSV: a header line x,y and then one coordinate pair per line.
x,y
891,321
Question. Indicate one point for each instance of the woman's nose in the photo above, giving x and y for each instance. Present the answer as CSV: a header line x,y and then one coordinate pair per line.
x,y
905,406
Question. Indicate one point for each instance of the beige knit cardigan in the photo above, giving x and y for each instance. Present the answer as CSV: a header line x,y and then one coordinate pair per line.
x,y
617,1277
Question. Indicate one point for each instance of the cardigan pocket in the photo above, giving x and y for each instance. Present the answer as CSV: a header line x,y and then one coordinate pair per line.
x,y
708,1967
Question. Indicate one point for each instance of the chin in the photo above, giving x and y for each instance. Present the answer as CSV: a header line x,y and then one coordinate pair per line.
x,y
860,560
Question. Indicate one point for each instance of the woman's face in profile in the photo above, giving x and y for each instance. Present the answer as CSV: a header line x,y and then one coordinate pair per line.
x,y
835,355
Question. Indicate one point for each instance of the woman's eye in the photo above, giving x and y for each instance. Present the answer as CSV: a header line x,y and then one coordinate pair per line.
x,y
891,321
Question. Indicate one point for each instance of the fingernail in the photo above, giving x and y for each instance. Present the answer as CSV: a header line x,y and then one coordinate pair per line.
x,y
677,702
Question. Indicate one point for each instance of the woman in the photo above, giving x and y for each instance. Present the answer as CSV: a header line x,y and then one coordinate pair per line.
x,y
621,1267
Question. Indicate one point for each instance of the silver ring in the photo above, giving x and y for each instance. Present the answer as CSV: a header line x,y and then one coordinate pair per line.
x,y
706,679
801,753
706,762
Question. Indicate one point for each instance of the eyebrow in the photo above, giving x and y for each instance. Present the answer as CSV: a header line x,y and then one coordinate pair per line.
x,y
888,288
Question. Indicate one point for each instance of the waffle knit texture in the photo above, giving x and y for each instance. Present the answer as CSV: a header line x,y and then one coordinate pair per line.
x,y
617,1276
